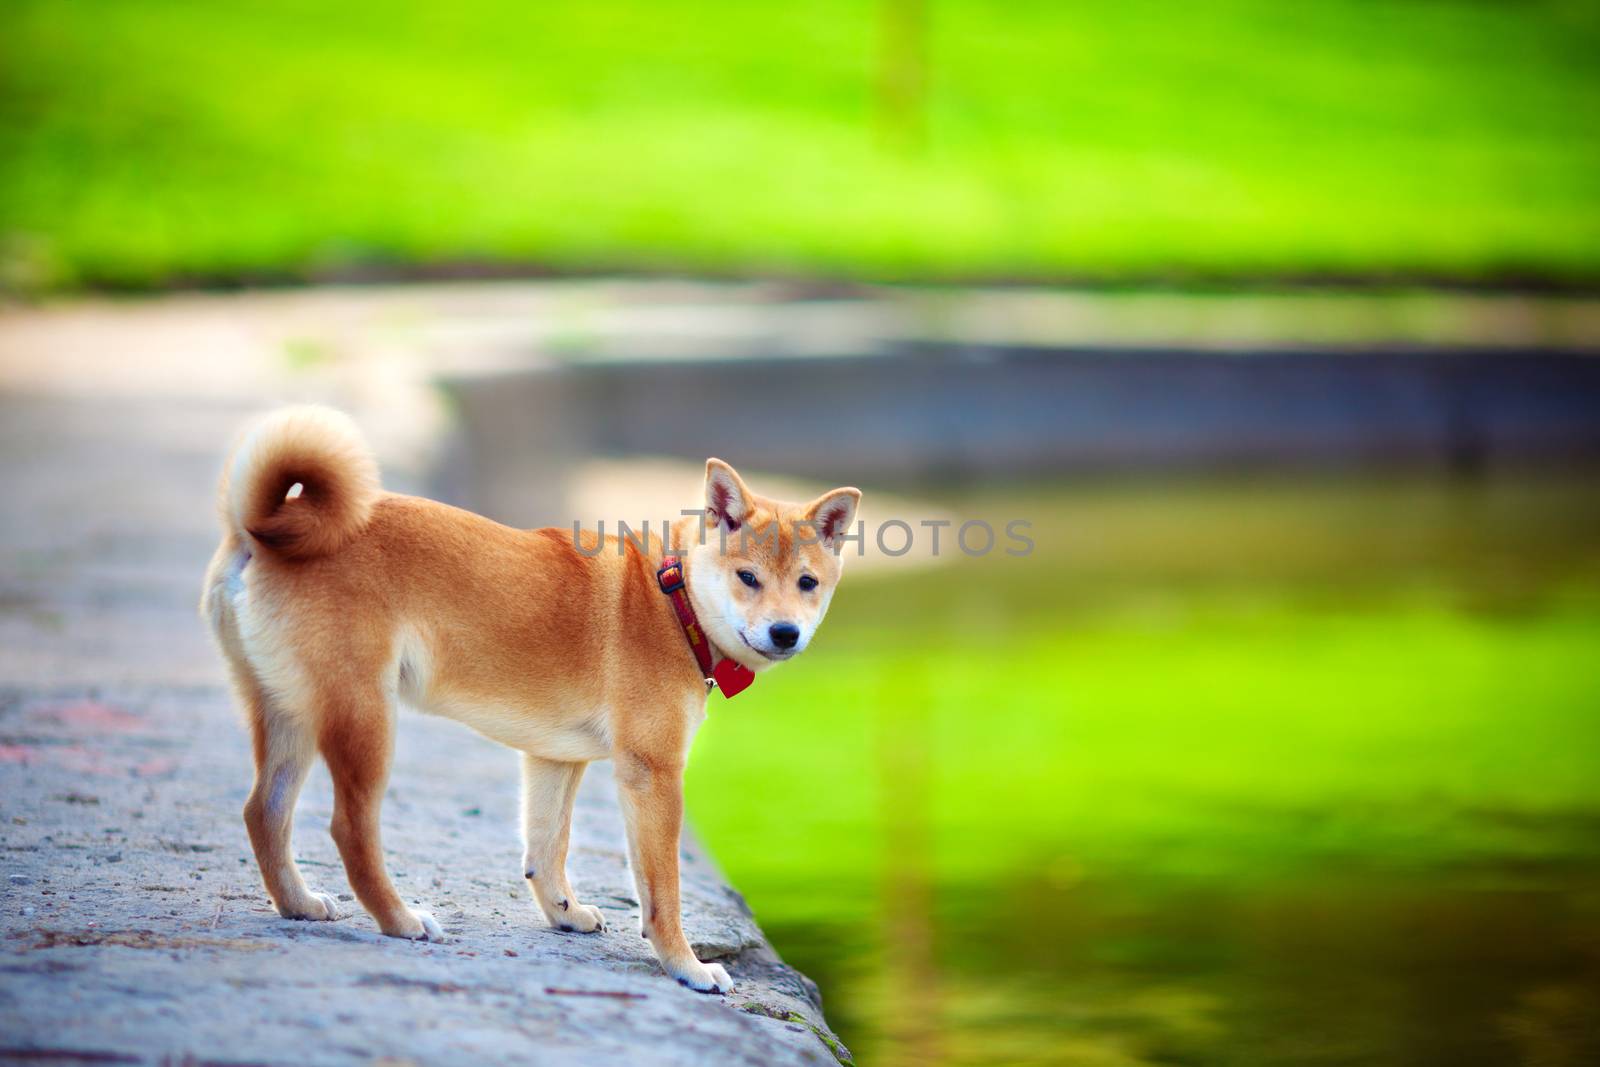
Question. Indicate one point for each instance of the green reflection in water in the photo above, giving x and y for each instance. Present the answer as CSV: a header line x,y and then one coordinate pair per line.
x,y
1222,774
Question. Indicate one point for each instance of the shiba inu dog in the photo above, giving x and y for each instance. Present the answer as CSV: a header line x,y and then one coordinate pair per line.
x,y
333,600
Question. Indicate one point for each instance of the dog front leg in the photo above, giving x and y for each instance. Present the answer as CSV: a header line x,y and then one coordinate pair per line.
x,y
548,791
652,809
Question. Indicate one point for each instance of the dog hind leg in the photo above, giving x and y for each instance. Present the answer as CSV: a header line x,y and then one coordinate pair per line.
x,y
357,740
284,750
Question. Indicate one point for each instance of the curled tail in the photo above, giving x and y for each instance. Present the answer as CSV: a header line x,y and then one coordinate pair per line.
x,y
322,452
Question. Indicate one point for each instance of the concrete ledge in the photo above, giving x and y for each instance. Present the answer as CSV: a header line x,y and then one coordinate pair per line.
x,y
935,412
134,923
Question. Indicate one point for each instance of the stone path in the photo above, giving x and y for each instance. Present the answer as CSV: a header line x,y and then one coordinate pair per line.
x,y
133,926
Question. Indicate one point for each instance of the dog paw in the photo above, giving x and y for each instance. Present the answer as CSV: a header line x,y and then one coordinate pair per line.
x,y
579,919
703,977
418,925
318,907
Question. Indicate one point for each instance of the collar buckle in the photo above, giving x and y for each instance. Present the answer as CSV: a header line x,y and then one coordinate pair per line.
x,y
670,575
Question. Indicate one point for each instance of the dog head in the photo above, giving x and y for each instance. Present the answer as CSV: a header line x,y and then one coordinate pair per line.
x,y
763,571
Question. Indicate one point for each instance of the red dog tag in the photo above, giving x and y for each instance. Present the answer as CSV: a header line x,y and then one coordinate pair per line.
x,y
732,678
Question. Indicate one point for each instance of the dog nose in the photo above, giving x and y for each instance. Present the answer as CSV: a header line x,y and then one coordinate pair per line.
x,y
784,634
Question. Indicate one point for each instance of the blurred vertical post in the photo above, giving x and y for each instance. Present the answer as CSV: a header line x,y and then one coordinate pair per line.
x,y
902,73
911,1008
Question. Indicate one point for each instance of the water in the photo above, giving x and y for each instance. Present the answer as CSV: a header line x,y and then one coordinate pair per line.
x,y
1261,773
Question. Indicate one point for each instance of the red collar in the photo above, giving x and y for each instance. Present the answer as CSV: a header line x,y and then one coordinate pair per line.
x,y
727,675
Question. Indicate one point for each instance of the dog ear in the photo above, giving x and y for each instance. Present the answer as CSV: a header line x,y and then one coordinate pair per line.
x,y
727,497
832,514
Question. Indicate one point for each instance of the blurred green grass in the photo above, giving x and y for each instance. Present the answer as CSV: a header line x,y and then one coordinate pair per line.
x,y
159,141
1136,810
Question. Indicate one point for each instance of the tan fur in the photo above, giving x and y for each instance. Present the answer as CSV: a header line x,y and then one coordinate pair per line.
x,y
332,606
321,451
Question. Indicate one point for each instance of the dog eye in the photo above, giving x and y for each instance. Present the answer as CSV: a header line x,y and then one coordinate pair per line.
x,y
807,583
748,579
